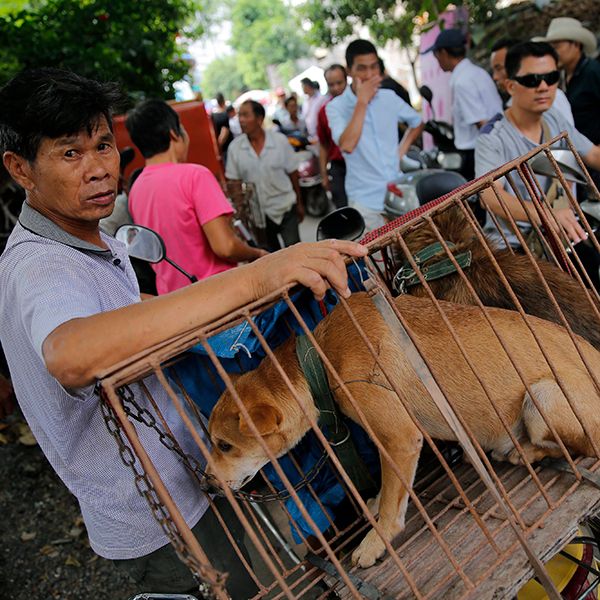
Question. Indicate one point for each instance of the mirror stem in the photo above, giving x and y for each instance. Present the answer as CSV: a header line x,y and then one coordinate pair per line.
x,y
192,278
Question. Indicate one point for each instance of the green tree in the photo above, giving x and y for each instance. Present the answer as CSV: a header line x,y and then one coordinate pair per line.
x,y
332,21
134,43
223,75
264,33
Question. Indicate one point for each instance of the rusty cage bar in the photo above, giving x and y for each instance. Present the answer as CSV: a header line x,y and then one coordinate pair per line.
x,y
475,526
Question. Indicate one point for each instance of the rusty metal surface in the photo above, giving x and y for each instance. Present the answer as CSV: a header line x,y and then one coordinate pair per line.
x,y
471,531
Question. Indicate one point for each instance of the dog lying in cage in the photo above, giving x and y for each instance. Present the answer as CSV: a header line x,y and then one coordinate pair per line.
x,y
518,270
237,454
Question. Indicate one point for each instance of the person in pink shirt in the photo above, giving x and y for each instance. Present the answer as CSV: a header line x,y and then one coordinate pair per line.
x,y
181,201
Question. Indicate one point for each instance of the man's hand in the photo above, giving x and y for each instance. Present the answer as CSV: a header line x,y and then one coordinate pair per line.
x,y
325,181
366,90
7,397
300,210
317,265
570,224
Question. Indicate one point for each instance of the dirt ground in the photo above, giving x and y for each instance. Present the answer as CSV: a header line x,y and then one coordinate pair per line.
x,y
45,552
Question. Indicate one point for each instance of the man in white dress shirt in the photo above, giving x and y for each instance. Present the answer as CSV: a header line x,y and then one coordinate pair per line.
x,y
475,99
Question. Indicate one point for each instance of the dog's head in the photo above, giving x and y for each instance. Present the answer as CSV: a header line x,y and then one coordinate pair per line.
x,y
274,418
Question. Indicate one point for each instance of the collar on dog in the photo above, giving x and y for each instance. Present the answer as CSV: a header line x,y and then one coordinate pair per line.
x,y
407,276
331,420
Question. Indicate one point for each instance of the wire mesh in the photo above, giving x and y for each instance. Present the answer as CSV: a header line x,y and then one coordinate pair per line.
x,y
452,392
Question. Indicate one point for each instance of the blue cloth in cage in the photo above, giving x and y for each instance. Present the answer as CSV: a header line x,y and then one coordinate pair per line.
x,y
239,350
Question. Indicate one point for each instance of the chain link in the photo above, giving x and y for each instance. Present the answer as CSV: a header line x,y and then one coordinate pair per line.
x,y
146,489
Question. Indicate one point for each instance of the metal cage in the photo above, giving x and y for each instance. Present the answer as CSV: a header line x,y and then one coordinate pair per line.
x,y
474,527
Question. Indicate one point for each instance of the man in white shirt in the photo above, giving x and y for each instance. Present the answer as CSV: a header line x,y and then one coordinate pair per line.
x,y
312,104
475,99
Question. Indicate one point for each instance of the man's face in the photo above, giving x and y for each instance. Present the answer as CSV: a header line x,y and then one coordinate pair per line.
x,y
364,67
182,144
497,60
249,122
443,59
292,108
73,180
336,81
540,98
568,52
308,89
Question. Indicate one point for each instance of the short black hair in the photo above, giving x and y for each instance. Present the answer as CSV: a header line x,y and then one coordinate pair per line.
x,y
516,54
334,67
503,43
257,108
150,124
290,99
220,98
51,103
358,48
456,51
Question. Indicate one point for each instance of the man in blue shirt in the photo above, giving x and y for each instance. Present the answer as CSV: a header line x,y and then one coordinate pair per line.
x,y
364,123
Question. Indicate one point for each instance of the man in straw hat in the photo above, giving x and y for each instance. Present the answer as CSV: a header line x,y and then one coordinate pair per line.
x,y
574,45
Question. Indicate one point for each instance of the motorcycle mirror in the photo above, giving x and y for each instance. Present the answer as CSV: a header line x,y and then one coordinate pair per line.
x,y
345,223
147,245
426,93
142,243
541,165
408,164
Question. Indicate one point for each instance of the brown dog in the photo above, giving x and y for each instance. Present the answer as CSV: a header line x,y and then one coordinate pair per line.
x,y
519,272
238,455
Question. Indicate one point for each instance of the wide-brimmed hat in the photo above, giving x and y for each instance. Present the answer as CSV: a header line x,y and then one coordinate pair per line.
x,y
567,28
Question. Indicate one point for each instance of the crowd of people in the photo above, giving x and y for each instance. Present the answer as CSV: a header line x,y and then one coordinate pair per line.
x,y
70,304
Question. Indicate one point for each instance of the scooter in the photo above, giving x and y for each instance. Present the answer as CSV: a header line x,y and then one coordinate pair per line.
x,y
314,196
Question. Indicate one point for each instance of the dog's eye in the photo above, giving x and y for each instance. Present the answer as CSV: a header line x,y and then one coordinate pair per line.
x,y
224,446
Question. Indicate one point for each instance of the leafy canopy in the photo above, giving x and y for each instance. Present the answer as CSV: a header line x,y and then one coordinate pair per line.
x,y
332,21
132,42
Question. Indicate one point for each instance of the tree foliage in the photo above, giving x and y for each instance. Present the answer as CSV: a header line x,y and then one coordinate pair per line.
x,y
222,75
332,21
132,42
264,33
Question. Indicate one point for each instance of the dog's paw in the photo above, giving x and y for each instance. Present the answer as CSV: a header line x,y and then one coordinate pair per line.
x,y
369,550
373,504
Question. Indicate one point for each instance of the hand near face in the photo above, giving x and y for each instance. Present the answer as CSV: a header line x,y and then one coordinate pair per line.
x,y
367,88
318,266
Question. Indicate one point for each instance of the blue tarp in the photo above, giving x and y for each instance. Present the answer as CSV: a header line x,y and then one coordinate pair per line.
x,y
239,350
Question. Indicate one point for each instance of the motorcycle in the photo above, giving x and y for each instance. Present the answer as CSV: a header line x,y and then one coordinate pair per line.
x,y
314,196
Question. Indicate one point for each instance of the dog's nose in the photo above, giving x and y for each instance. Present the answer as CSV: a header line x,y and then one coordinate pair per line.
x,y
209,485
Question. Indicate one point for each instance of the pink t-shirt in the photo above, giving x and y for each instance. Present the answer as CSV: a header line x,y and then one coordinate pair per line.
x,y
176,200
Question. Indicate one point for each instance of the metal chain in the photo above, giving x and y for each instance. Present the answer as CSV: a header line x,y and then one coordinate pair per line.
x,y
146,490
143,415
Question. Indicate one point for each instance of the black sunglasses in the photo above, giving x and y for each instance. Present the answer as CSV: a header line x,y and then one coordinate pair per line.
x,y
533,80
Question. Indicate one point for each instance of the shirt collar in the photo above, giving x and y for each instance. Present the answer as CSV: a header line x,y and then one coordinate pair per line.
x,y
269,141
459,67
37,223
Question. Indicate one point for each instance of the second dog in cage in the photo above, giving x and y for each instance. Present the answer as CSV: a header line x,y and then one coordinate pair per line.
x,y
579,308
386,389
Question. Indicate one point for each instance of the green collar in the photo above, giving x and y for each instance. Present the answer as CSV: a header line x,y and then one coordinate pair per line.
x,y
407,276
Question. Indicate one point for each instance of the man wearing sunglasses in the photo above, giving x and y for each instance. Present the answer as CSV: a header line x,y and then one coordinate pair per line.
x,y
532,81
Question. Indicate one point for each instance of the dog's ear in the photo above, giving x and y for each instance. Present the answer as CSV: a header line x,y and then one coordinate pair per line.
x,y
266,418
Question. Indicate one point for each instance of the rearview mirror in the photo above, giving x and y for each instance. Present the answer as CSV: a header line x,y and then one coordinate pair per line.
x,y
345,223
426,93
141,242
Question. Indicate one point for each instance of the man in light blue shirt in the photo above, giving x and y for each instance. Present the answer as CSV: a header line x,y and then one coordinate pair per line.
x,y
364,124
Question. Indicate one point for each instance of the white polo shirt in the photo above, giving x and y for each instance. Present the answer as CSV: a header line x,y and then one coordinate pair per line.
x,y
475,98
269,171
